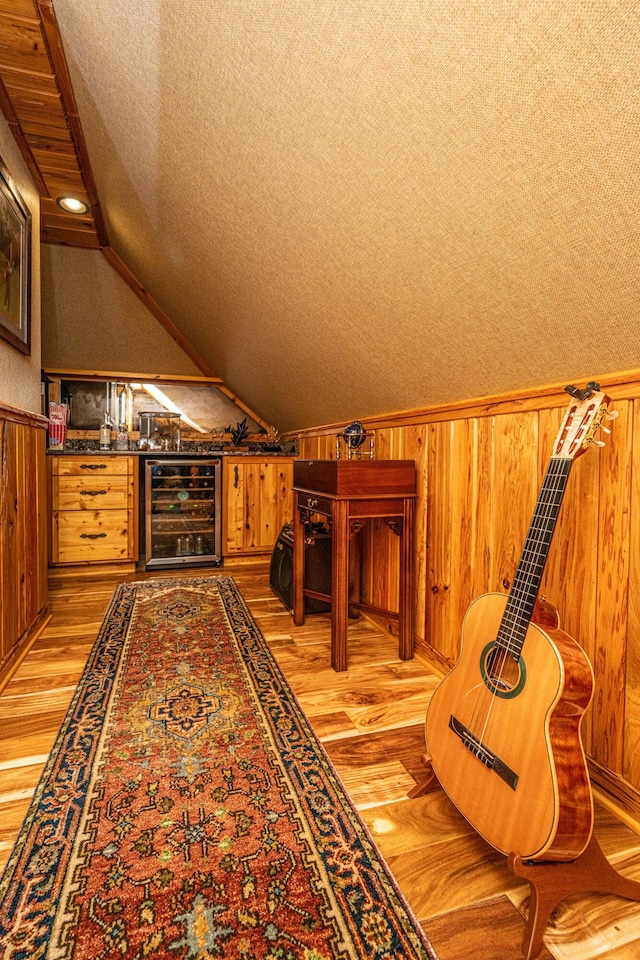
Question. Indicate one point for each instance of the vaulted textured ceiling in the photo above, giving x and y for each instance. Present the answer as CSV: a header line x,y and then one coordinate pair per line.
x,y
353,208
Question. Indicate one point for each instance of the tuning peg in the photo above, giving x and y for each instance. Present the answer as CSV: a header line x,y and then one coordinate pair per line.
x,y
599,443
611,414
605,429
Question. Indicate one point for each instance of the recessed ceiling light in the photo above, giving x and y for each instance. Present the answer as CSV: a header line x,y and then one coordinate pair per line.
x,y
71,205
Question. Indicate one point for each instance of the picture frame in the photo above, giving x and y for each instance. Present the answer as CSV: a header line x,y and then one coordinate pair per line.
x,y
15,265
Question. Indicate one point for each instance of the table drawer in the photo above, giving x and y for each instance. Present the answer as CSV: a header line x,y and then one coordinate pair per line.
x,y
90,466
91,493
311,501
90,535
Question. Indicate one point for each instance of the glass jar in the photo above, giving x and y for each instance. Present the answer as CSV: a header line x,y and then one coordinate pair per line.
x,y
159,431
122,437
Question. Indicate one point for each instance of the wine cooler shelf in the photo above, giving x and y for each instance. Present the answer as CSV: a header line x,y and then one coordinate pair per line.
x,y
183,512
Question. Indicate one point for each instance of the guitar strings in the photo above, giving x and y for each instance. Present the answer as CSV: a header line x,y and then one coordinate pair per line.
x,y
521,601
517,614
524,591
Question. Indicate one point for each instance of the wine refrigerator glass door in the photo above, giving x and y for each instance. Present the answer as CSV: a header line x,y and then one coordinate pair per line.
x,y
183,512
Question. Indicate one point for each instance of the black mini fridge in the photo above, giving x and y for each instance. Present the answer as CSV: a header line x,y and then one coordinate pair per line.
x,y
183,515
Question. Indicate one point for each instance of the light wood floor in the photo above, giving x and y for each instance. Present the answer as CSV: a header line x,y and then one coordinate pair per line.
x,y
371,721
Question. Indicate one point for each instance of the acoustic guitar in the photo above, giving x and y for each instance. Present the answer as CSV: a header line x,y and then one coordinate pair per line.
x,y
503,728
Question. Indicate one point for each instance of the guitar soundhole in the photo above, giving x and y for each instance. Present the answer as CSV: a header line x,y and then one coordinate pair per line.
x,y
503,673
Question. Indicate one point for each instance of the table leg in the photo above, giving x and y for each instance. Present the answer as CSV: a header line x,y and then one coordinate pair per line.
x,y
298,567
355,573
339,584
405,642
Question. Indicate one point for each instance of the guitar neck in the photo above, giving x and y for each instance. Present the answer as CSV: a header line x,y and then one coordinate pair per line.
x,y
526,583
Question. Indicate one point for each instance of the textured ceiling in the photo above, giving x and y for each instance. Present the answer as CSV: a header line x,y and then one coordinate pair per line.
x,y
353,208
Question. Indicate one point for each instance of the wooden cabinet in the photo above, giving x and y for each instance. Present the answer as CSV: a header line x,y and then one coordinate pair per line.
x,y
94,515
257,502
23,534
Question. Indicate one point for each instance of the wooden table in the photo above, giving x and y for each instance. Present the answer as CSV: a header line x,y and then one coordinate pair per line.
x,y
350,492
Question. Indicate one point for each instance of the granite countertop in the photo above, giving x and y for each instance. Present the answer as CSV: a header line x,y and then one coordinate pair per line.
x,y
171,454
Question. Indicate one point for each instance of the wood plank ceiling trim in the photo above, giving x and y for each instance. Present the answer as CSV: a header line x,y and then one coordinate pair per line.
x,y
37,100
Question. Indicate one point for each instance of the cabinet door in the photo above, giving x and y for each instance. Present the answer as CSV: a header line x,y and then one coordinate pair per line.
x,y
257,503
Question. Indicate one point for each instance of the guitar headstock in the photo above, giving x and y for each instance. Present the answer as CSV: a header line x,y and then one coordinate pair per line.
x,y
584,416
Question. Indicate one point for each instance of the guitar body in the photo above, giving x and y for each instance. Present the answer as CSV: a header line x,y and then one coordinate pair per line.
x,y
504,737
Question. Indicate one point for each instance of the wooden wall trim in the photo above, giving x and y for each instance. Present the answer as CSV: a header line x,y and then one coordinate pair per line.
x,y
436,661
15,415
625,797
619,386
17,655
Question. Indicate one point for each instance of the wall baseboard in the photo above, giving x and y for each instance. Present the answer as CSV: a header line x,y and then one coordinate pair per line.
x,y
21,649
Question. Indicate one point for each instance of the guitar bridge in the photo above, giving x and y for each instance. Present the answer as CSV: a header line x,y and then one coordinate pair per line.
x,y
483,753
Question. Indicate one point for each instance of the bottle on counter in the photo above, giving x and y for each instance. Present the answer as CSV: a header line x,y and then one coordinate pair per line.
x,y
105,433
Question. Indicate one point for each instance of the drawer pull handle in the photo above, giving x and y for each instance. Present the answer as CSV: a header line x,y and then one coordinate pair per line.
x,y
236,478
93,466
92,493
92,536
311,502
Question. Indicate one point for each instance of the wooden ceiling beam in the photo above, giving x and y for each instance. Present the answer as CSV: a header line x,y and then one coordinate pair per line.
x,y
154,308
51,213
68,238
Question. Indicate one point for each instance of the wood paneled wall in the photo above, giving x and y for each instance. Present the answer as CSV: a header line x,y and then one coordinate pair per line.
x,y
480,466
23,539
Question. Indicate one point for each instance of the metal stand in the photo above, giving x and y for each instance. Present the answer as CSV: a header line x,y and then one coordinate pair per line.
x,y
354,444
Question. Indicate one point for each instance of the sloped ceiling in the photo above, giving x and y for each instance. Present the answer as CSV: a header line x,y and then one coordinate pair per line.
x,y
354,208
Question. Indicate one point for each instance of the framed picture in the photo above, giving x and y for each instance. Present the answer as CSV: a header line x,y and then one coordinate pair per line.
x,y
15,265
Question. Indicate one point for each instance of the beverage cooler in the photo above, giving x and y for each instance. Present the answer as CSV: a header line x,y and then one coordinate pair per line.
x,y
183,513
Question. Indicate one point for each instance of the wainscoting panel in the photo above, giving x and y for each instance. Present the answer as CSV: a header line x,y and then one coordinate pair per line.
x,y
480,466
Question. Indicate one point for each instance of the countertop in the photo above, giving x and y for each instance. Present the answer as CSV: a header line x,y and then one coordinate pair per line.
x,y
170,454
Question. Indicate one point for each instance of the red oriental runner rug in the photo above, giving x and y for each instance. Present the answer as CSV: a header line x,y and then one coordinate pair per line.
x,y
187,809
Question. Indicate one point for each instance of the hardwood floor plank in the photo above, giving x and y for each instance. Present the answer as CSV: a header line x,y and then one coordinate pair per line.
x,y
405,744
13,813
594,926
35,702
385,782
469,871
53,661
415,825
25,737
334,726
615,838
494,928
39,685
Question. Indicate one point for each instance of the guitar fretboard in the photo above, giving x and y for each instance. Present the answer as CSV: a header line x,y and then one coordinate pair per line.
x,y
526,583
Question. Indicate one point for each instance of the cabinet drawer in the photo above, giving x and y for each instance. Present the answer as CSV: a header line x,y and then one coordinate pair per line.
x,y
90,466
311,501
90,535
91,493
